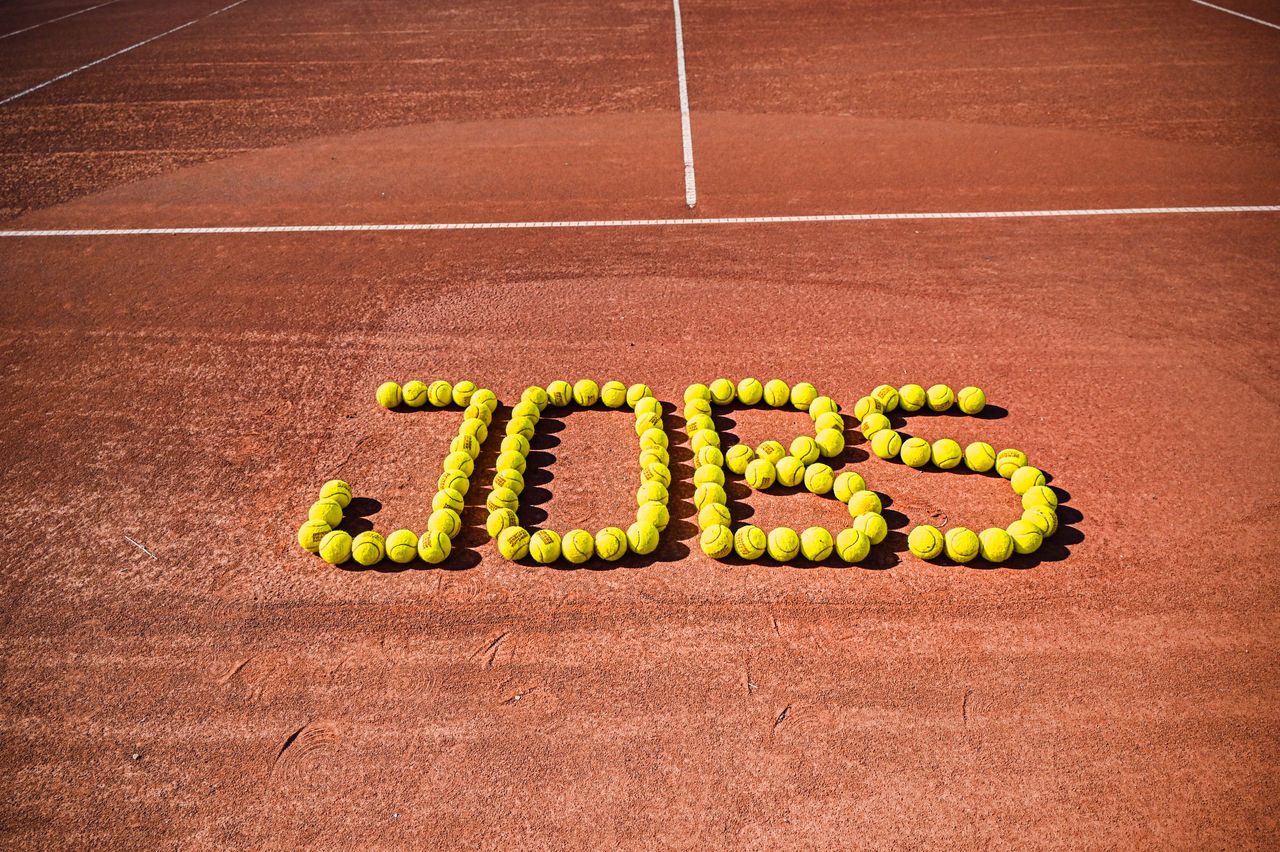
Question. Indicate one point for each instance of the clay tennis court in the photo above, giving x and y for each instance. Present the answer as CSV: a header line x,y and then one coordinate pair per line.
x,y
227,225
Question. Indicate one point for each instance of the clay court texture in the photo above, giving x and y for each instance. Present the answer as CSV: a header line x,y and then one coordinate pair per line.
x,y
225,225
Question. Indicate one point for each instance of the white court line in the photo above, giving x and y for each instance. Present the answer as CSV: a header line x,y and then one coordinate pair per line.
x,y
118,52
1239,14
690,188
55,20
632,223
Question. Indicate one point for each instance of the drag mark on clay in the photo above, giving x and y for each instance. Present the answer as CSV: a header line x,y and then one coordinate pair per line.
x,y
782,717
226,678
491,650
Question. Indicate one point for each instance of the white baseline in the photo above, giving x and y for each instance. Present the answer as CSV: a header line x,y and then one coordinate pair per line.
x,y
55,20
690,185
1238,14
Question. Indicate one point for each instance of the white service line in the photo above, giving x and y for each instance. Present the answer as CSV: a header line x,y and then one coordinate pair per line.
x,y
119,52
55,20
1239,14
631,223
690,187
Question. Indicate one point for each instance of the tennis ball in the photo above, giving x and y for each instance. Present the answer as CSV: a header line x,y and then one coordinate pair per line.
x,y
311,533
635,393
865,501
1008,461
961,544
462,393
750,391
698,423
1024,478
697,405
454,479
946,453
544,546
980,457
654,472
708,493
971,400
435,547
925,541
511,460
761,474
478,412
816,544
577,546
888,397
911,397
915,452
830,442
613,394
460,461
1026,537
783,544
805,449
704,438
522,426
444,521
560,393
738,457
611,544
651,405
647,421
502,498
326,510
1040,495
886,443
873,423
716,541
710,455
465,444
389,395
819,478
499,519
368,548
822,405
847,484
586,392
513,543
509,478
749,542
771,451
475,427
402,546
708,473
655,454
939,398
654,513
1043,518
697,391
995,545
642,538
654,438
789,472
335,548
713,514
414,394
337,491
865,406
486,398
723,391
827,420
518,444
852,545
872,525
652,492
447,498
776,393
440,393
536,395
803,395
526,409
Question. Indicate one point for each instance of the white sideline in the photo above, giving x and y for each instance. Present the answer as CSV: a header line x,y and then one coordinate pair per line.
x,y
632,223
118,52
1239,14
690,187
55,20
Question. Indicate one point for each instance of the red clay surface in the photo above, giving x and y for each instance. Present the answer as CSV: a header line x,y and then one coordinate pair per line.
x,y
191,393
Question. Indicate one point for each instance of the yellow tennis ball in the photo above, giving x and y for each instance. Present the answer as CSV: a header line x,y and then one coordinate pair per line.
x,y
816,544
789,472
462,393
980,457
803,395
337,491
440,393
511,460
447,498
915,452
698,423
652,492
749,542
704,438
1043,518
486,398
389,395
713,514
865,501
1025,477
536,395
655,454
946,453
716,541
1008,461
517,444
710,455
1040,495
1026,537
805,449
873,423
611,544
513,542
647,421
723,391
368,548
413,394
475,428
560,393
867,406
819,478
830,442
499,519
526,409
707,493
544,546
512,479
577,546
750,391
586,392
465,444
737,457
642,538
434,547
478,412
655,438
971,400
651,405
761,474
925,541
522,426
911,397
502,498
776,393
654,513
456,480
783,544
613,394
708,473
771,451
827,420
326,510
961,544
886,443
444,521
852,545
847,484
888,396
994,545
697,391
335,548
873,525
402,546
822,405
939,398
635,393
460,461
654,472
311,533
